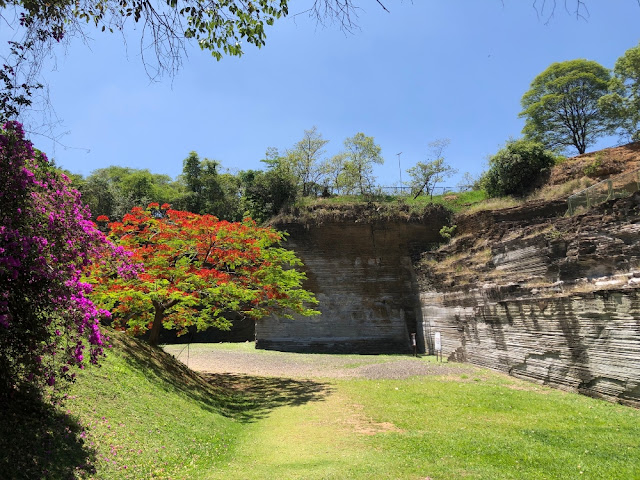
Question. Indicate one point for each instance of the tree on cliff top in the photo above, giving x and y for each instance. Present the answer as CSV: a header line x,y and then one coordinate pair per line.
x,y
516,167
360,154
623,103
305,162
428,175
197,269
561,109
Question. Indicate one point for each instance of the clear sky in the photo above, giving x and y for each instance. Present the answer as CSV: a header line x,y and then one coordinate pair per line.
x,y
427,70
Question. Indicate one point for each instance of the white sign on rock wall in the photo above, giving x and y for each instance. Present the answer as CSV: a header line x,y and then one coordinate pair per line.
x,y
437,342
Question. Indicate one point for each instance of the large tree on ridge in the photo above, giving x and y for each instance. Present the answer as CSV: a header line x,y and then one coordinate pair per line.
x,y
561,108
360,154
623,103
304,159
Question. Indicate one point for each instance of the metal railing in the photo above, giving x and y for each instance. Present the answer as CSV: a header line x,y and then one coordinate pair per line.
x,y
620,186
404,190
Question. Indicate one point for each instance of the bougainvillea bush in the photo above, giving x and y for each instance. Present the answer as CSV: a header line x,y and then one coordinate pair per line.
x,y
196,270
48,325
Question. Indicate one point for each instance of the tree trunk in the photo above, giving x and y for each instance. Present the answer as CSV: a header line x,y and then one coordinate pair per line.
x,y
157,324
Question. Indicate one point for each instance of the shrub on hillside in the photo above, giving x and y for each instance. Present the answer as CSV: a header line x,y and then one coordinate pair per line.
x,y
515,169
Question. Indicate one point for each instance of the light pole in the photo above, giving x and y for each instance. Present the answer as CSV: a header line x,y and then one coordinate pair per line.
x,y
400,170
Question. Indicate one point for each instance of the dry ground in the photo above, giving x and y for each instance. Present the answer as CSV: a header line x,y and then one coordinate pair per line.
x,y
243,359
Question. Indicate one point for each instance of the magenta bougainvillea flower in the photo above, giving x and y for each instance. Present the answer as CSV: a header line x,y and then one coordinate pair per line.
x,y
47,322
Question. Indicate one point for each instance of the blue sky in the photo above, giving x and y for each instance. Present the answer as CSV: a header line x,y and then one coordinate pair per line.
x,y
427,70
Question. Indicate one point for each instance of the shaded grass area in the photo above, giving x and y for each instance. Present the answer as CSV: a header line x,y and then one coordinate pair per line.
x,y
141,414
38,441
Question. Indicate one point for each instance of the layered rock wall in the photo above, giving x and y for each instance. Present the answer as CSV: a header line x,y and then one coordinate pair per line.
x,y
588,343
362,275
550,299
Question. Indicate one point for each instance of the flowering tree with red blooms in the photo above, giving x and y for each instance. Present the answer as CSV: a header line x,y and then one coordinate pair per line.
x,y
47,323
197,269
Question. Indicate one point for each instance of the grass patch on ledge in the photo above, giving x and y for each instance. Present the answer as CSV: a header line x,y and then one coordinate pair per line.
x,y
372,208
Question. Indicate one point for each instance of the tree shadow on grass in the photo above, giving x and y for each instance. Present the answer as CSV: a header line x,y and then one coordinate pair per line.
x,y
39,441
249,398
242,397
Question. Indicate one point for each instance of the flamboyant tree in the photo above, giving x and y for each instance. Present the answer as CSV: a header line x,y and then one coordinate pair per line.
x,y
47,322
196,270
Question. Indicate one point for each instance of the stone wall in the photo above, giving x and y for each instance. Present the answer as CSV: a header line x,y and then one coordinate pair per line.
x,y
362,275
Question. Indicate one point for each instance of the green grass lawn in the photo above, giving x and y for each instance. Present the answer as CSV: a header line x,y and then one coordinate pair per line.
x,y
486,427
142,415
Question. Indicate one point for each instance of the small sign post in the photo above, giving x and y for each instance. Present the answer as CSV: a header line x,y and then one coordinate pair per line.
x,y
438,345
414,344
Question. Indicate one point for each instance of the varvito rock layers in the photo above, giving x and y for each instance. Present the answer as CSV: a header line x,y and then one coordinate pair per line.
x,y
525,290
545,298
359,266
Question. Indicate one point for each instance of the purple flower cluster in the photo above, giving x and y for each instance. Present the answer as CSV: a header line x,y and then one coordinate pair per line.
x,y
47,241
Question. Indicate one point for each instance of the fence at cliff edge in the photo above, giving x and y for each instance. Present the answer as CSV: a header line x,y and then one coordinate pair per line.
x,y
620,186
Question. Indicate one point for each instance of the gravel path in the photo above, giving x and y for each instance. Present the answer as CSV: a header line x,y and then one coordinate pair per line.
x,y
215,358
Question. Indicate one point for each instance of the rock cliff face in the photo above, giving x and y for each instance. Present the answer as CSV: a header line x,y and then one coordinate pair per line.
x,y
526,290
361,272
543,297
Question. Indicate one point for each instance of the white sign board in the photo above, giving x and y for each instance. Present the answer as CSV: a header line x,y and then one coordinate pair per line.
x,y
437,342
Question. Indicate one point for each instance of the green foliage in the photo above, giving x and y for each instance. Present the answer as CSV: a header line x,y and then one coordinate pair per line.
x,y
332,171
113,191
206,190
622,104
305,161
561,108
361,153
425,176
593,168
447,232
267,193
515,168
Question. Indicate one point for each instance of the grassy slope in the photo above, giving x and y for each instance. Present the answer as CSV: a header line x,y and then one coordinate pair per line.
x,y
146,416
